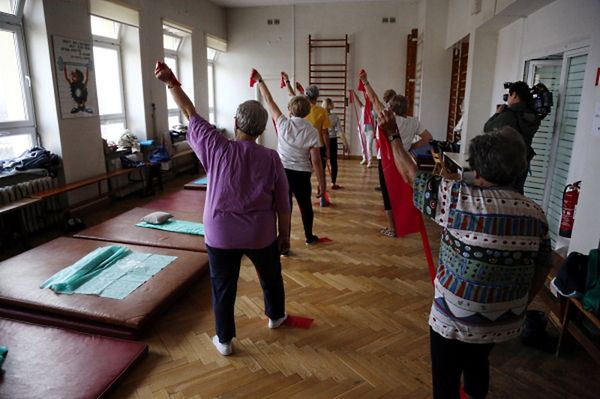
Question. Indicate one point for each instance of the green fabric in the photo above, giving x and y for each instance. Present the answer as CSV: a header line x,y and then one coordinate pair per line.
x,y
591,298
202,181
125,275
177,226
110,272
3,353
69,279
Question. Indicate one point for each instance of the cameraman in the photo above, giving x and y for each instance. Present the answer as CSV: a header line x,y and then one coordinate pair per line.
x,y
518,114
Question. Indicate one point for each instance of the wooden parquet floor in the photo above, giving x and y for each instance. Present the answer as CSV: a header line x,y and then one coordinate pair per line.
x,y
370,297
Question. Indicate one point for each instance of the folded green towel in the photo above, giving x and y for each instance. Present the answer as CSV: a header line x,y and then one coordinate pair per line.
x,y
67,280
110,272
3,353
201,181
177,226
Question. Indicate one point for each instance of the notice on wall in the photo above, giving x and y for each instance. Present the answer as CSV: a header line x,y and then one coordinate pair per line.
x,y
596,121
74,70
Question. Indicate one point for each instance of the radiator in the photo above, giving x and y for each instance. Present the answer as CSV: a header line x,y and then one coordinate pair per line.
x,y
36,216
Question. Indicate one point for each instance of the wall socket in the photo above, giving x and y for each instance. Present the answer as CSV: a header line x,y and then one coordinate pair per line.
x,y
388,20
272,21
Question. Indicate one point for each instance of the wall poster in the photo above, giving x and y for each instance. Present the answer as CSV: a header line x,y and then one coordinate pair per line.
x,y
74,70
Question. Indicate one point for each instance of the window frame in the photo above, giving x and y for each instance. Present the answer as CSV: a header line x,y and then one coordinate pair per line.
x,y
14,23
109,43
210,75
173,54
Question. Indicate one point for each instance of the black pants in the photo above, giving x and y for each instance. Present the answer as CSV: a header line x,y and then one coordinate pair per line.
x,y
301,188
450,359
333,144
519,183
384,193
224,274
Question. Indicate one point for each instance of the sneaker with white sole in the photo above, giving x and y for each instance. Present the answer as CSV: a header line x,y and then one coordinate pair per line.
x,y
224,349
278,322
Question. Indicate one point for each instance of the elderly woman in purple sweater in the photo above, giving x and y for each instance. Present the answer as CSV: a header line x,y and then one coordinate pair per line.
x,y
247,210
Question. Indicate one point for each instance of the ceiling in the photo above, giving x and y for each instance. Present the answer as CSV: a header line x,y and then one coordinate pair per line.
x,y
256,3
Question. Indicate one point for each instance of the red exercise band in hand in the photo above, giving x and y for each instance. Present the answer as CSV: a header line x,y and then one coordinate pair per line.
x,y
252,80
171,80
282,82
361,86
299,87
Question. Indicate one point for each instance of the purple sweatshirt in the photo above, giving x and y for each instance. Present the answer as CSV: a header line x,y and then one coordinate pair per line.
x,y
247,186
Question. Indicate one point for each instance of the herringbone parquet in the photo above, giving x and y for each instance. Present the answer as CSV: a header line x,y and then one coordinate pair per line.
x,y
369,295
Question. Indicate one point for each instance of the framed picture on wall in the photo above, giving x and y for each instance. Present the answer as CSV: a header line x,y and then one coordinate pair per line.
x,y
74,71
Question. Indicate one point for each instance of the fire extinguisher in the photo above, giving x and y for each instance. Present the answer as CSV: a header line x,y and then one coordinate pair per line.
x,y
569,202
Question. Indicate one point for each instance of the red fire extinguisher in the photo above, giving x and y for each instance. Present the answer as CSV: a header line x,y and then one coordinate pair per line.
x,y
569,202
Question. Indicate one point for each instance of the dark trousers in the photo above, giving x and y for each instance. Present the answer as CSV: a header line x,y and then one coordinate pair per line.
x,y
301,188
333,158
323,152
387,205
450,359
519,183
224,274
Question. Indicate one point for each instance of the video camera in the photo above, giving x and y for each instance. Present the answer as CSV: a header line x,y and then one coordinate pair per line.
x,y
541,98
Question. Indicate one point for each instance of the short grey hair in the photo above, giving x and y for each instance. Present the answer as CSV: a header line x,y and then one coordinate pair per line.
x,y
251,118
312,92
499,156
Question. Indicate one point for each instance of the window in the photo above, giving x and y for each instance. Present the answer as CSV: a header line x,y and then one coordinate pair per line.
x,y
173,40
8,6
211,56
109,77
174,113
17,121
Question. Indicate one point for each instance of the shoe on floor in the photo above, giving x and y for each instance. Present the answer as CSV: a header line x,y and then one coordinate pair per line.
x,y
312,240
285,253
364,161
277,322
224,349
387,232
335,186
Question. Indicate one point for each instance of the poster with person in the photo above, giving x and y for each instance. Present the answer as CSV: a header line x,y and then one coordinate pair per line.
x,y
74,72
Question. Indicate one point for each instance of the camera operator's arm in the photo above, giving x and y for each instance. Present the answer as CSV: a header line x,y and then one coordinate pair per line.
x,y
503,117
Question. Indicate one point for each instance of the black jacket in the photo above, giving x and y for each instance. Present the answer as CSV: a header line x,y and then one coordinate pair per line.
x,y
519,117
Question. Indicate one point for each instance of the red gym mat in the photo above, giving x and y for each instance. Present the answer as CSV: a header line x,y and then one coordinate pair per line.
x,y
21,297
180,201
122,228
52,363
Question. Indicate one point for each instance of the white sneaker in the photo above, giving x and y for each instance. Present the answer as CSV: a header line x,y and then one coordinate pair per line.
x,y
276,323
224,349
364,161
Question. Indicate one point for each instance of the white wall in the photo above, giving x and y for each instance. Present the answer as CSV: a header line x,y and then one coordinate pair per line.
x,y
437,68
78,141
378,48
480,84
555,28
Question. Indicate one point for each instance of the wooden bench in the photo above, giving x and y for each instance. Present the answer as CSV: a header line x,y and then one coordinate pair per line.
x,y
88,182
15,206
574,330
